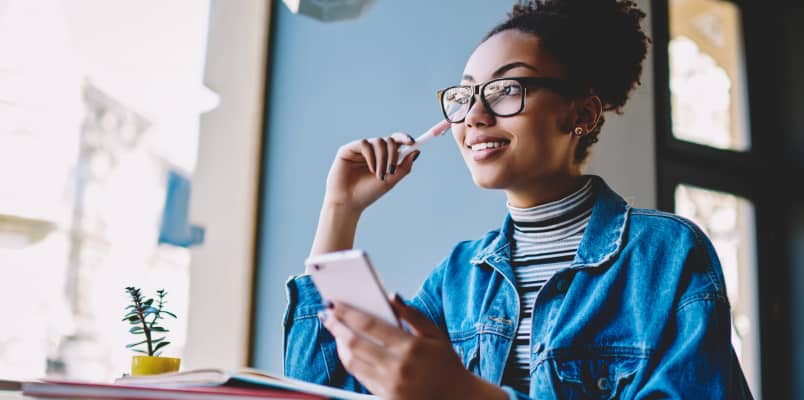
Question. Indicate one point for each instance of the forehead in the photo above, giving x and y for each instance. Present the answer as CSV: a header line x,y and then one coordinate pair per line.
x,y
507,47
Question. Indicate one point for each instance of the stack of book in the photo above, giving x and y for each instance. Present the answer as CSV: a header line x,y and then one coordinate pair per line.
x,y
246,384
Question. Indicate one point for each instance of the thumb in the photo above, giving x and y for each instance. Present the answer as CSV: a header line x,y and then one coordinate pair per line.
x,y
421,325
407,164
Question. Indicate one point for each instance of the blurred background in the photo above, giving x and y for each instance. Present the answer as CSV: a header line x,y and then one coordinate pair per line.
x,y
184,146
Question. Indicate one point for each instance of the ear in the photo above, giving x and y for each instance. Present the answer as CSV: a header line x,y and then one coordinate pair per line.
x,y
589,111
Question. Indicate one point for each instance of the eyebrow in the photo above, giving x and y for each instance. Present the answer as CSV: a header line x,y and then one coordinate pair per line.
x,y
505,68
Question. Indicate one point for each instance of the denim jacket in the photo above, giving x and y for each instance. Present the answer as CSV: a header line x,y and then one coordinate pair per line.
x,y
641,312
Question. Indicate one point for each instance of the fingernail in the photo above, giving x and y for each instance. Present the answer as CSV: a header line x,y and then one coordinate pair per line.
x,y
393,169
328,304
322,316
417,155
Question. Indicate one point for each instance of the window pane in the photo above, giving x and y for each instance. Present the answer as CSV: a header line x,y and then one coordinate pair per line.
x,y
728,220
707,79
92,116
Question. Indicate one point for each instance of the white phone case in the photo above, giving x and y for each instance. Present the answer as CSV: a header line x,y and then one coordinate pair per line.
x,y
348,276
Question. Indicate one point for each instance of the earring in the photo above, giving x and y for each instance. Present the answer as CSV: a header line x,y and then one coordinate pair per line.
x,y
578,131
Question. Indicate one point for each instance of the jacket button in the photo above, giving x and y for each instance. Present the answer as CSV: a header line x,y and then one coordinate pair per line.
x,y
604,384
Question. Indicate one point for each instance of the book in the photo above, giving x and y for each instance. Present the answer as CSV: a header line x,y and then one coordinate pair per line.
x,y
65,389
10,385
245,383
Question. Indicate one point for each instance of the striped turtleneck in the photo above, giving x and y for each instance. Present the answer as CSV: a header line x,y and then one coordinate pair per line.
x,y
545,239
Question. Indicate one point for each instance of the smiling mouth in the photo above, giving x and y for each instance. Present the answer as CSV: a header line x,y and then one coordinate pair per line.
x,y
488,145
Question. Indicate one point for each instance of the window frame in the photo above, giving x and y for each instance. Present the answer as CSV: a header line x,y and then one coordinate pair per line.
x,y
742,173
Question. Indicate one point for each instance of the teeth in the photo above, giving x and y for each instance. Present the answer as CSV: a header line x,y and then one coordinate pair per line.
x,y
487,145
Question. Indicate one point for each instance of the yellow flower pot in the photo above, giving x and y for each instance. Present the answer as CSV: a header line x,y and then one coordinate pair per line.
x,y
152,365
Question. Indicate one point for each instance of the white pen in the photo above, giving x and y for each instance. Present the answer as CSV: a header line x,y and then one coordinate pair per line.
x,y
437,130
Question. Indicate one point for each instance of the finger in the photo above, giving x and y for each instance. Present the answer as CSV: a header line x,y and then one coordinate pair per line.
x,y
368,154
381,150
369,325
407,164
403,138
364,348
365,372
421,325
393,155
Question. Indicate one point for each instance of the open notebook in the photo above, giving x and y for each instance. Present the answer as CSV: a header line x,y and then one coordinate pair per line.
x,y
246,383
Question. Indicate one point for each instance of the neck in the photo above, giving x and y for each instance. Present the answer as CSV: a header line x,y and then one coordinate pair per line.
x,y
544,190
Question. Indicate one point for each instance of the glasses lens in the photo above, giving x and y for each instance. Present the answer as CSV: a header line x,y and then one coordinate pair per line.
x,y
504,96
455,101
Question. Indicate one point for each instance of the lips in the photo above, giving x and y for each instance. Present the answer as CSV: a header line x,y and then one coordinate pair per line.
x,y
485,140
485,147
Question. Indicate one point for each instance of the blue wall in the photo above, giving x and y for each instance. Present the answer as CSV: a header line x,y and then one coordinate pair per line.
x,y
333,83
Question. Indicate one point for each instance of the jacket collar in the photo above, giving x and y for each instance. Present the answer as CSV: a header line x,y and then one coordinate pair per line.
x,y
602,239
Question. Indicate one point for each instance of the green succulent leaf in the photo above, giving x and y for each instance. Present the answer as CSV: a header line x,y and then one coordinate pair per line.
x,y
161,345
128,346
136,312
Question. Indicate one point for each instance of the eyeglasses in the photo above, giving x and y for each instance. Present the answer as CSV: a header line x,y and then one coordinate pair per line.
x,y
503,97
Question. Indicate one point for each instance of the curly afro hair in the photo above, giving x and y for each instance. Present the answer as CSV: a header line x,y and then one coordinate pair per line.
x,y
610,68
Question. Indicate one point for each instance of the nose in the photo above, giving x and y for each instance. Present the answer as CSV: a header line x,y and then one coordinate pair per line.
x,y
478,115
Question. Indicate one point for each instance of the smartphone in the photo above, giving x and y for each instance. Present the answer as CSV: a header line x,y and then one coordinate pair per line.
x,y
347,276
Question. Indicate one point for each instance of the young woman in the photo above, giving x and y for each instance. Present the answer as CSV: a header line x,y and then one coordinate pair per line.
x,y
578,294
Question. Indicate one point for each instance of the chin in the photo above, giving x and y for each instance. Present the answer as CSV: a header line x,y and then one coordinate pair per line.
x,y
488,182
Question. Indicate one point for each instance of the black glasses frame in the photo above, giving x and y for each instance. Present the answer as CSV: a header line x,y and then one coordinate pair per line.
x,y
561,86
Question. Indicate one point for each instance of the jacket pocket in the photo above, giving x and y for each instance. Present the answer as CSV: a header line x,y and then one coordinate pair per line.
x,y
595,377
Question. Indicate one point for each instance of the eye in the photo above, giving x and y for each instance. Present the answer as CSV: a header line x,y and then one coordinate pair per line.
x,y
502,88
512,89
457,96
508,89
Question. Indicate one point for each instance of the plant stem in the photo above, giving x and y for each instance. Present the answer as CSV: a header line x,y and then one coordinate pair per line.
x,y
145,327
147,335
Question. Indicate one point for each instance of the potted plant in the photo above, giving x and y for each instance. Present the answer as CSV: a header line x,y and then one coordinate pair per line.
x,y
144,317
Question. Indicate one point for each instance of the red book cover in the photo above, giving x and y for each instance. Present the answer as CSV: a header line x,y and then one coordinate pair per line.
x,y
88,390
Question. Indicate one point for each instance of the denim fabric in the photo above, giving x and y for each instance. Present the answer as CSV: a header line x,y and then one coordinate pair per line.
x,y
640,313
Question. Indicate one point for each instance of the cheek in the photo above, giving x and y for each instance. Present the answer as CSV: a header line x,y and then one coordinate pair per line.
x,y
551,113
458,133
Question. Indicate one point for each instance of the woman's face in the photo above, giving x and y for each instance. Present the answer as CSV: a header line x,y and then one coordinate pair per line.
x,y
534,147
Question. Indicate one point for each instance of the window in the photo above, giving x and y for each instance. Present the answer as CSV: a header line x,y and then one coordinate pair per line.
x,y
711,58
96,108
707,82
728,220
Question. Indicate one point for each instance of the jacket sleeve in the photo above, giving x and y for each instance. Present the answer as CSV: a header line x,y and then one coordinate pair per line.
x,y
310,353
698,360
428,300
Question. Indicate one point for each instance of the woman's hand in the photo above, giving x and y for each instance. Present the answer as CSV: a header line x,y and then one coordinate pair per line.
x,y
366,169
395,364
362,171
